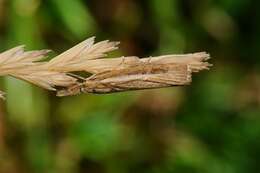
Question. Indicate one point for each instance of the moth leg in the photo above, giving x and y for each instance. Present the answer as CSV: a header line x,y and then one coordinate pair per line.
x,y
123,61
149,60
147,67
128,61
120,64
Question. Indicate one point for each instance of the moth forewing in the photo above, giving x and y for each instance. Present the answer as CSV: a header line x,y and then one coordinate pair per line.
x,y
139,77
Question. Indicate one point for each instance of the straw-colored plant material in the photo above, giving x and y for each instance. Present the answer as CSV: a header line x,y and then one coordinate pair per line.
x,y
40,76
108,75
77,57
26,66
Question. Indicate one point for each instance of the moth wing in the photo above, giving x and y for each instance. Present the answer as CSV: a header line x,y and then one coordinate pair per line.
x,y
175,76
170,79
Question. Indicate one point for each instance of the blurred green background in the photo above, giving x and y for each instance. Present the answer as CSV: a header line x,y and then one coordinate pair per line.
x,y
212,126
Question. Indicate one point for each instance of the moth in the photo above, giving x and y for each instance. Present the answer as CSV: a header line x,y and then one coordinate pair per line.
x,y
138,74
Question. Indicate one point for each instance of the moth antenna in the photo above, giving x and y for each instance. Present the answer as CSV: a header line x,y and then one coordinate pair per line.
x,y
77,76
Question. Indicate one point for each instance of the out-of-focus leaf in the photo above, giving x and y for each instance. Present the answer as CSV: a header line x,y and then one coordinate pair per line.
x,y
98,135
75,16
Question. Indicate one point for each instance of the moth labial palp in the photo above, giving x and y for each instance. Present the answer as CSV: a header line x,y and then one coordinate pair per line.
x,y
70,91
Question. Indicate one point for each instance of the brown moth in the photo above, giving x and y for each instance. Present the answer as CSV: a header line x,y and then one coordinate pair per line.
x,y
137,74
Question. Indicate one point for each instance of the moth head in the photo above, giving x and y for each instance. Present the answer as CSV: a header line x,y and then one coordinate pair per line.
x,y
70,91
